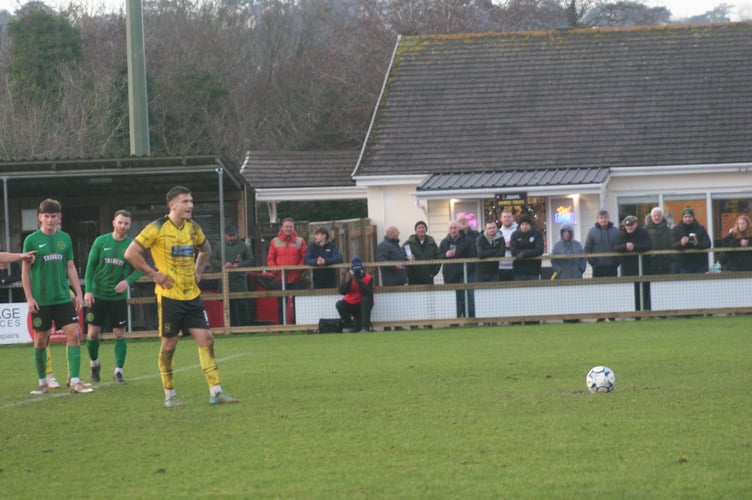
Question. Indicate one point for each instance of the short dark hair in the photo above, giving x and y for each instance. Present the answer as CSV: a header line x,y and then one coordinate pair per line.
x,y
124,213
175,192
322,230
50,206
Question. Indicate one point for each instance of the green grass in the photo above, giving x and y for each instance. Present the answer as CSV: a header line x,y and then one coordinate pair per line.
x,y
455,413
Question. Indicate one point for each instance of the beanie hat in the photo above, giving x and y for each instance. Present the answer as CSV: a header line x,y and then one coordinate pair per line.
x,y
357,265
689,211
419,223
527,219
231,230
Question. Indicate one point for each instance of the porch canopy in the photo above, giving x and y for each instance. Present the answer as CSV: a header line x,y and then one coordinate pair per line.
x,y
486,184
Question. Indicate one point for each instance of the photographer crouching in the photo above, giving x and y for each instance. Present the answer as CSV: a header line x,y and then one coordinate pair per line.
x,y
355,307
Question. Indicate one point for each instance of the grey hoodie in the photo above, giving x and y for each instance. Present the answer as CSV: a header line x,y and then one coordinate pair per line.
x,y
572,267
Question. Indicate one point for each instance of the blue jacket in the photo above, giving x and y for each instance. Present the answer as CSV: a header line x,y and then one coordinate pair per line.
x,y
323,277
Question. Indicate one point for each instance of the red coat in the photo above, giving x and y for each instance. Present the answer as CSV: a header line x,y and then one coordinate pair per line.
x,y
285,251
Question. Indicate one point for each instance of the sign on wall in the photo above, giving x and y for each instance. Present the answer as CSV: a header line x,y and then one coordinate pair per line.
x,y
510,200
13,323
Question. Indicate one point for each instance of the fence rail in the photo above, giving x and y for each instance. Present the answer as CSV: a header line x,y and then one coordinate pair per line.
x,y
624,297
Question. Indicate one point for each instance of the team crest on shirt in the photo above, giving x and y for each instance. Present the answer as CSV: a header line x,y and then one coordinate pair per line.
x,y
61,245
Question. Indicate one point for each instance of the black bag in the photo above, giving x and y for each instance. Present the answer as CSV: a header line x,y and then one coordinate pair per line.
x,y
329,326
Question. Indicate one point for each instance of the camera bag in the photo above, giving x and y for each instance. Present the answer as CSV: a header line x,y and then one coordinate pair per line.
x,y
329,326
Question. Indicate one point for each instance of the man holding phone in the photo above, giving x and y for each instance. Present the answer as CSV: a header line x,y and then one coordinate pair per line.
x,y
690,235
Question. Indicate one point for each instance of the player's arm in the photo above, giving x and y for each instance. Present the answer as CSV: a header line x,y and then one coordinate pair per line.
x,y
26,282
135,255
8,257
75,283
202,259
91,269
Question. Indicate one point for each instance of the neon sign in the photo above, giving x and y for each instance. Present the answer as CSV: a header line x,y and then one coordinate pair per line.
x,y
564,215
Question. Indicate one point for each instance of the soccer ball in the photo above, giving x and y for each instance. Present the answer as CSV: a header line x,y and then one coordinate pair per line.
x,y
600,379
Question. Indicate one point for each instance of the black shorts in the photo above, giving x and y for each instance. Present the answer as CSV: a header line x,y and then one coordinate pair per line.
x,y
116,309
62,314
180,315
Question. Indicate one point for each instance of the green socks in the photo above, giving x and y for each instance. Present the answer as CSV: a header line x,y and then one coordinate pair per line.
x,y
121,349
40,362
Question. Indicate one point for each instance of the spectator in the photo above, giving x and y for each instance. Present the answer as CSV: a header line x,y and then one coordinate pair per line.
x,y
237,254
468,231
489,245
660,235
507,227
527,245
739,237
287,249
601,239
690,235
355,307
457,246
323,252
389,250
632,239
569,268
471,235
421,246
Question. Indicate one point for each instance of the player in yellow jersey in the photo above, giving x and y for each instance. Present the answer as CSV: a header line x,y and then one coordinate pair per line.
x,y
180,252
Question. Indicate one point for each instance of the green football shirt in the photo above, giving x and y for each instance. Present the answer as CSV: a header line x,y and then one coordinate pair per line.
x,y
107,267
49,273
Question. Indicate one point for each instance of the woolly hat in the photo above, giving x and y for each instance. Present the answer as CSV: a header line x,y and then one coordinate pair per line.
x,y
525,219
357,265
419,223
231,230
689,211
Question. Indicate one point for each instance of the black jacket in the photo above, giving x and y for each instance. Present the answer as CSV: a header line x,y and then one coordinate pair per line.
x,y
640,238
660,237
454,273
735,261
691,262
493,250
524,246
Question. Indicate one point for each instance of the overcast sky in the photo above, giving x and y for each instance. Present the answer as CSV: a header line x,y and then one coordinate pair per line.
x,y
679,8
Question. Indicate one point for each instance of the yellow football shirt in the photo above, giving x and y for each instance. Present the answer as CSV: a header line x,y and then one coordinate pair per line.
x,y
174,251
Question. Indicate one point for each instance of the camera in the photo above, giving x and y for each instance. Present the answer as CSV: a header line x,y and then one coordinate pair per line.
x,y
358,273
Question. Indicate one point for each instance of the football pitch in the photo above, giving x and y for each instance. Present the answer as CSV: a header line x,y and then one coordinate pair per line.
x,y
482,412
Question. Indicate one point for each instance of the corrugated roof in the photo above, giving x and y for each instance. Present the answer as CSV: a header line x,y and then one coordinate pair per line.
x,y
676,95
117,176
515,179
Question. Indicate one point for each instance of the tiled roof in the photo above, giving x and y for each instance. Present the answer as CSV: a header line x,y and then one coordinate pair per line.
x,y
674,95
289,169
